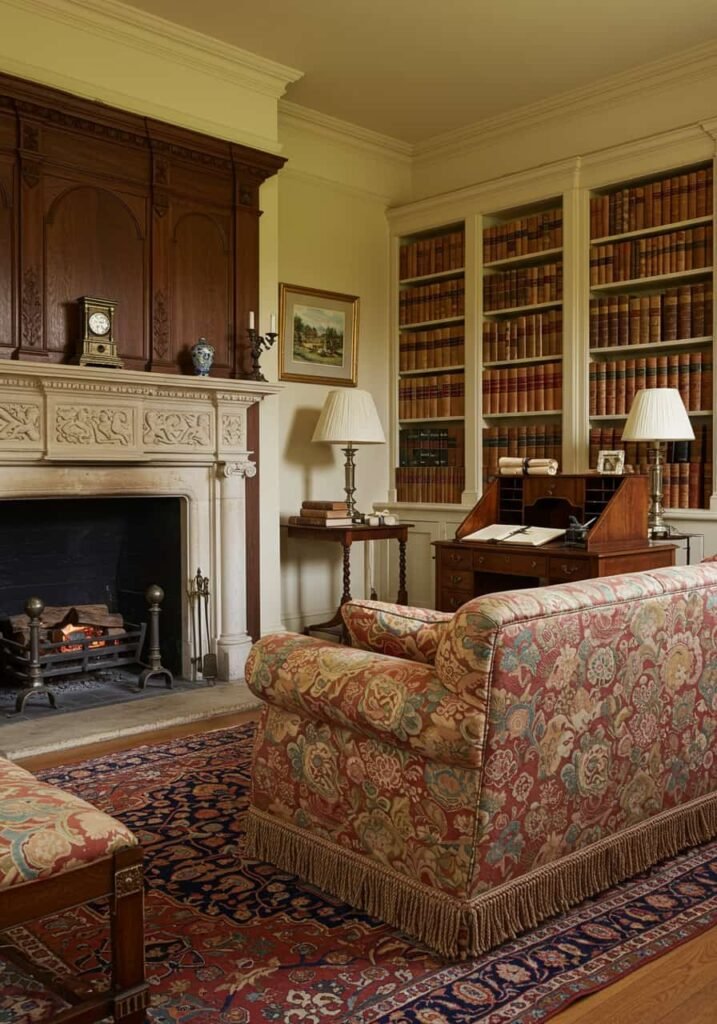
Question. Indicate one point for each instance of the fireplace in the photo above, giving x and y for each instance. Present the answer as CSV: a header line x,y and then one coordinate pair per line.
x,y
131,478
95,551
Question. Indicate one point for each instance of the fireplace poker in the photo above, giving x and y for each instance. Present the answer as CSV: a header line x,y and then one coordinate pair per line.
x,y
209,663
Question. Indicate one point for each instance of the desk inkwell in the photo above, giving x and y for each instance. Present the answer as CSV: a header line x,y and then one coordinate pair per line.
x,y
576,535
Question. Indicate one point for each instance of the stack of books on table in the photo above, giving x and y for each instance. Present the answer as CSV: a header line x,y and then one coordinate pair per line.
x,y
322,513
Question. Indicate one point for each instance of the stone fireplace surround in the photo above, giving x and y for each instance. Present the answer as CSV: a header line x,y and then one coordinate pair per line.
x,y
70,431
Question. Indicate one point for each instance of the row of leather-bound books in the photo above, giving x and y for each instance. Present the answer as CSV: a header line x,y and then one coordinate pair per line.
x,y
533,388
436,347
438,301
431,445
675,198
431,396
613,384
524,286
428,484
434,255
672,315
523,236
687,473
653,256
523,337
534,441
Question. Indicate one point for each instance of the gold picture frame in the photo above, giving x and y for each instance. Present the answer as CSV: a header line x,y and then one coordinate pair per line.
x,y
318,336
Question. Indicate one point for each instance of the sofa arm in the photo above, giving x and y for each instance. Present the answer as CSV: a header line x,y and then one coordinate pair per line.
x,y
399,702
395,629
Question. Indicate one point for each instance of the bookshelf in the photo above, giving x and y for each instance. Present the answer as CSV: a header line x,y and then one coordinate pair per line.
x,y
522,334
651,317
431,366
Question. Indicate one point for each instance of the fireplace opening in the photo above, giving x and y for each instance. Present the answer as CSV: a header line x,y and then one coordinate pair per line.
x,y
77,552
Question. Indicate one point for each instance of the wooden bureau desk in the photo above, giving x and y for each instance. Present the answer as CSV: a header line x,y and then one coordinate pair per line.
x,y
616,542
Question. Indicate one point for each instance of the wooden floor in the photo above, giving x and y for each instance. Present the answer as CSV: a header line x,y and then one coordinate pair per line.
x,y
678,988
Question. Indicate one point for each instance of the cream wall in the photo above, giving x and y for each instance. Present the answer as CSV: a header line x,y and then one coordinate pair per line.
x,y
333,234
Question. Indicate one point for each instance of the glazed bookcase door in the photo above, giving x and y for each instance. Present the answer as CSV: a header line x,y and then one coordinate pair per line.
x,y
651,317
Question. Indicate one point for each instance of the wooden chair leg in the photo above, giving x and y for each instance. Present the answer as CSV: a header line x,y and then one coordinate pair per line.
x,y
127,925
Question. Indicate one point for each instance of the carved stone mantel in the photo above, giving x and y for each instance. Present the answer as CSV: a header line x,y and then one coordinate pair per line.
x,y
84,431
87,414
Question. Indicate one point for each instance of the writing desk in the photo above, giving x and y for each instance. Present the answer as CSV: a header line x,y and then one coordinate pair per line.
x,y
616,542
346,536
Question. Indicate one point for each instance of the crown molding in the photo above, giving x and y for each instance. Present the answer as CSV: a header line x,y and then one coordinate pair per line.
x,y
289,171
161,37
345,132
683,67
506,191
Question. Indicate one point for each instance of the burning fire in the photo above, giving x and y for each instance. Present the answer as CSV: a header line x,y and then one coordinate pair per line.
x,y
71,633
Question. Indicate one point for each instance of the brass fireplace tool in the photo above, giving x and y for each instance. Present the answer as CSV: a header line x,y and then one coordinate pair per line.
x,y
203,661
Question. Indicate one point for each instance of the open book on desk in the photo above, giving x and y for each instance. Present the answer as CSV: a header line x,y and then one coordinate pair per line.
x,y
535,535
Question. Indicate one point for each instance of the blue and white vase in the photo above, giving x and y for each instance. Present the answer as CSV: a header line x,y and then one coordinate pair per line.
x,y
202,357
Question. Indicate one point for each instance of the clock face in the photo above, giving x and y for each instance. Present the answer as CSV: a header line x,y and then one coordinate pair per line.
x,y
99,323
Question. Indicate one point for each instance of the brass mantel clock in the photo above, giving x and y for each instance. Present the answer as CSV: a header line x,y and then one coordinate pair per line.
x,y
98,345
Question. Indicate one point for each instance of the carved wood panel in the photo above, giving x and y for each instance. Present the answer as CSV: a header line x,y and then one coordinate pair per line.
x,y
201,282
108,242
109,204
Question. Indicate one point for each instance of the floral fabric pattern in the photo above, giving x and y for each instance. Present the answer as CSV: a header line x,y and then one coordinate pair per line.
x,y
388,699
396,630
44,830
553,718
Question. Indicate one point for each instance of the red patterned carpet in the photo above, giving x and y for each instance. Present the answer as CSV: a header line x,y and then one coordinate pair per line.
x,y
231,941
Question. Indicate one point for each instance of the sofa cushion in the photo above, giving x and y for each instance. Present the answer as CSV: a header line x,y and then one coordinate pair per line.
x,y
44,830
395,629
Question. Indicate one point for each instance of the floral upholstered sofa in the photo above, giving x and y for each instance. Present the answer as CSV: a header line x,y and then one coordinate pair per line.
x,y
464,776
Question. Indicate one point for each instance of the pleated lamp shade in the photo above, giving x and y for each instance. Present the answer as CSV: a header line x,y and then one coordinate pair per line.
x,y
658,414
349,417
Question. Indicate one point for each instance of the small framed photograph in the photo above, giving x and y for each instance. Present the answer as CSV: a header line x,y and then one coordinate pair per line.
x,y
611,463
318,335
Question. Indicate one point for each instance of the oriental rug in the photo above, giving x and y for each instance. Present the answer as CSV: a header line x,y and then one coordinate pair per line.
x,y
234,941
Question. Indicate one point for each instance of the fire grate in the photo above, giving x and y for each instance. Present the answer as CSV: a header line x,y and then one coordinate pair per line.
x,y
33,664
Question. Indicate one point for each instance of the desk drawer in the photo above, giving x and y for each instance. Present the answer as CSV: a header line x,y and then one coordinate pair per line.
x,y
515,563
456,558
457,579
452,600
564,569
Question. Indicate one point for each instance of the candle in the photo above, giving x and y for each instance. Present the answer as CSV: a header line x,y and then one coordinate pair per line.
x,y
272,323
251,319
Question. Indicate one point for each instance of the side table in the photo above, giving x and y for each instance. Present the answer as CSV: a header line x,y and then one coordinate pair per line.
x,y
346,535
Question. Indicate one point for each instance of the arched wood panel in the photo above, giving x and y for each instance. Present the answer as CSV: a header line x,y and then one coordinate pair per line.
x,y
108,261
201,286
6,265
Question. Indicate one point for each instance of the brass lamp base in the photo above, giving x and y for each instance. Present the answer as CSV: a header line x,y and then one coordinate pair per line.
x,y
657,528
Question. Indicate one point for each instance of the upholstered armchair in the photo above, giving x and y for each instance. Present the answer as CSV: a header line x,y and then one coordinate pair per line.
x,y
464,776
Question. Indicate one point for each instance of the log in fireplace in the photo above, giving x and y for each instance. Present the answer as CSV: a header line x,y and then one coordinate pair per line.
x,y
47,644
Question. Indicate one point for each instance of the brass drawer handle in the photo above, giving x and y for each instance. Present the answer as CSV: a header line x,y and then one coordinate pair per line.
x,y
455,556
481,559
456,579
569,570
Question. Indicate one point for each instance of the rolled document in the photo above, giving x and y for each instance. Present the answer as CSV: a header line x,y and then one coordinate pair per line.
x,y
527,467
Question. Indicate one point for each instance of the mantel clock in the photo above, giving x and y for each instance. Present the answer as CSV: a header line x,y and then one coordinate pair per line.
x,y
98,345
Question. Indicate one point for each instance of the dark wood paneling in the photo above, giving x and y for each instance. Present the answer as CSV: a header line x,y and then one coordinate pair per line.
x,y
107,239
162,220
200,285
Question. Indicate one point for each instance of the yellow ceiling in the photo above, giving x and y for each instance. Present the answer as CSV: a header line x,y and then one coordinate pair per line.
x,y
413,69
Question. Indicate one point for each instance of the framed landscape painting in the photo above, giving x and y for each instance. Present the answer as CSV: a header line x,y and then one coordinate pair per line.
x,y
318,335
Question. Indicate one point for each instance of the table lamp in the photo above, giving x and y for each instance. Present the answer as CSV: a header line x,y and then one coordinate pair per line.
x,y
657,415
349,418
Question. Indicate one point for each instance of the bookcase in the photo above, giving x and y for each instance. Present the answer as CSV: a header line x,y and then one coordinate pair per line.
x,y
651,317
522,334
431,366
